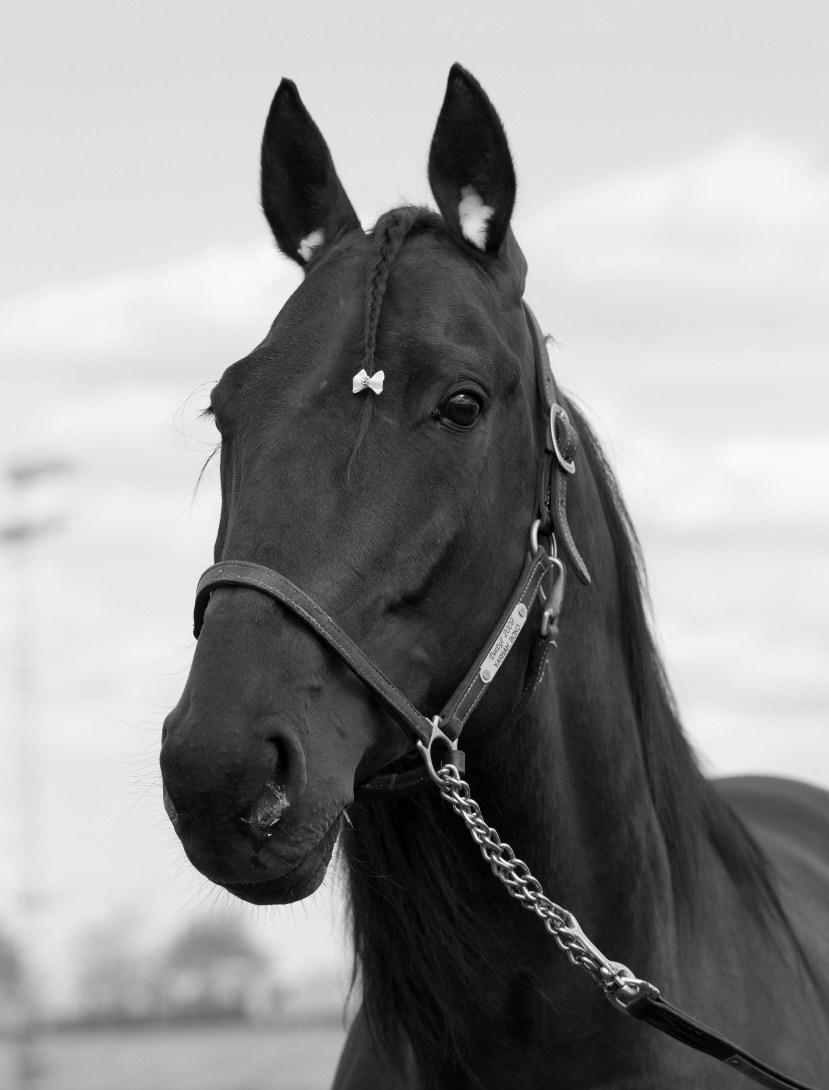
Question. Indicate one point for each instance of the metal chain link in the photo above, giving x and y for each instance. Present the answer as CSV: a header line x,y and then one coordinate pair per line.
x,y
616,981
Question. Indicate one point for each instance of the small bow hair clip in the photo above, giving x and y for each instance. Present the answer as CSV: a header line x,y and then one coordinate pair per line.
x,y
364,381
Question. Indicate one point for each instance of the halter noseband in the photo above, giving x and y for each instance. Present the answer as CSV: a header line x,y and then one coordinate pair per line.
x,y
556,464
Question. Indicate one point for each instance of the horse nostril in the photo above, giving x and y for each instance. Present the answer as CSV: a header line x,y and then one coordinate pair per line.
x,y
268,809
169,806
281,789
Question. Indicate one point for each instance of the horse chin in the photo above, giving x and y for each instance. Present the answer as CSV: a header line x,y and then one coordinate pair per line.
x,y
300,882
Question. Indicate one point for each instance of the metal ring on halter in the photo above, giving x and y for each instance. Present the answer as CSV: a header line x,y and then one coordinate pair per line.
x,y
534,546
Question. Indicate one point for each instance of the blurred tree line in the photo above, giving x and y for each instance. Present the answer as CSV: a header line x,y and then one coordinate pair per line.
x,y
211,970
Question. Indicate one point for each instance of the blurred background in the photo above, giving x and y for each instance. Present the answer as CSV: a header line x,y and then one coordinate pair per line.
x,y
674,209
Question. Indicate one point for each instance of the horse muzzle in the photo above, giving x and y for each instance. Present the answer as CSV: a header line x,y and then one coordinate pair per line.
x,y
229,791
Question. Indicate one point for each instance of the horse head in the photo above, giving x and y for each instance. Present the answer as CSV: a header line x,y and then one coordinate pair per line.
x,y
379,448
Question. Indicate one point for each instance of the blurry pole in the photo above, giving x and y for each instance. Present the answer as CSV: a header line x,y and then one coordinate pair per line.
x,y
22,536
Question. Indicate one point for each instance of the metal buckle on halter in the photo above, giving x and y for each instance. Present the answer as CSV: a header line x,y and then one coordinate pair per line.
x,y
552,603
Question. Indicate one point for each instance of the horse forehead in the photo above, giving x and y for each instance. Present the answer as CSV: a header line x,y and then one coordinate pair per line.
x,y
431,268
444,295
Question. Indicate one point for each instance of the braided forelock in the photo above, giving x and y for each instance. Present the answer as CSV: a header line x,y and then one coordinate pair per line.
x,y
390,232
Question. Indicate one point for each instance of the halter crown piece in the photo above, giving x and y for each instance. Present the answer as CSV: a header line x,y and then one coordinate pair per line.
x,y
364,381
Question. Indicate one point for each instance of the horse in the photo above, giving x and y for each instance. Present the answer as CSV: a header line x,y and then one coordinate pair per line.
x,y
404,488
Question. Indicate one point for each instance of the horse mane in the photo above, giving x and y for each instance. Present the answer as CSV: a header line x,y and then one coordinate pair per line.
x,y
419,950
687,804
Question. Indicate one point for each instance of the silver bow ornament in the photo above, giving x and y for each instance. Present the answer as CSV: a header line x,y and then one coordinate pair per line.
x,y
364,381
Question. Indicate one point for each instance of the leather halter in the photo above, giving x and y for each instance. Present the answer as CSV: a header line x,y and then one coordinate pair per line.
x,y
556,464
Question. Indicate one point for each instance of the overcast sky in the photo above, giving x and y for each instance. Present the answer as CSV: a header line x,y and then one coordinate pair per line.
x,y
673,166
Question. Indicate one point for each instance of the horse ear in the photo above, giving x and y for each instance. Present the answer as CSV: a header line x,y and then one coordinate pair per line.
x,y
302,197
470,167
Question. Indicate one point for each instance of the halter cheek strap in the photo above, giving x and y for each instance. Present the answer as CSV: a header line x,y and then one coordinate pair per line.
x,y
559,461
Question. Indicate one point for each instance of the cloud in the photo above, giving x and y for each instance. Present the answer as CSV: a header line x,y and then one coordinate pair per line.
x,y
750,216
143,313
739,484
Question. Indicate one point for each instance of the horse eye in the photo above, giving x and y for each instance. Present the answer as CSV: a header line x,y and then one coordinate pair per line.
x,y
462,410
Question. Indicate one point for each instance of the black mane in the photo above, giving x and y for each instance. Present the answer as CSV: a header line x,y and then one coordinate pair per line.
x,y
689,807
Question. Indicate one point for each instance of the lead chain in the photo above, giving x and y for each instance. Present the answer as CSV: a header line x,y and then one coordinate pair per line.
x,y
615,980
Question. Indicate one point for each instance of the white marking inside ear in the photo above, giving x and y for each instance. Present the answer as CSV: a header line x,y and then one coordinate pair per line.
x,y
310,244
474,216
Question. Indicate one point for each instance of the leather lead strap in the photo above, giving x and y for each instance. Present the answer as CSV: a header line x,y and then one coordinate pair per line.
x,y
660,1014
